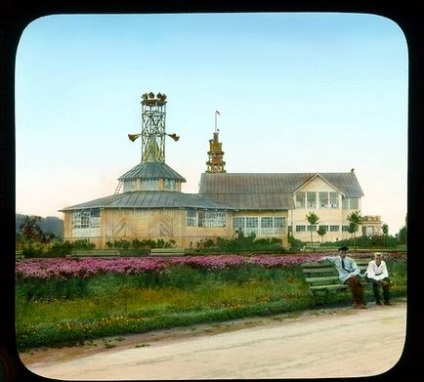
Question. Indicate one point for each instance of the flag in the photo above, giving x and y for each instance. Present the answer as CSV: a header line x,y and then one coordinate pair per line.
x,y
217,112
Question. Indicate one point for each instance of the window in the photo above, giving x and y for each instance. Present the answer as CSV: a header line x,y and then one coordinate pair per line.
x,y
323,199
80,219
328,199
272,226
95,218
251,225
86,223
301,228
300,200
170,185
191,218
267,222
149,185
129,185
350,203
280,222
89,218
334,228
312,228
345,228
354,203
334,200
212,219
261,226
206,218
238,223
311,199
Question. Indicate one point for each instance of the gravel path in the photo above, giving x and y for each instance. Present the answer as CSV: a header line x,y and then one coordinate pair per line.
x,y
326,343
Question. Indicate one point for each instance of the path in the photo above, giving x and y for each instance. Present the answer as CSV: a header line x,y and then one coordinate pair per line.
x,y
328,343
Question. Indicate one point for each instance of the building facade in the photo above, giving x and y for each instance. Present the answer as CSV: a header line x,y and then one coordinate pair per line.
x,y
149,204
278,204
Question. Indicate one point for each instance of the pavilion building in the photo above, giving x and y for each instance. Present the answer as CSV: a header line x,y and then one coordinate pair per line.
x,y
148,202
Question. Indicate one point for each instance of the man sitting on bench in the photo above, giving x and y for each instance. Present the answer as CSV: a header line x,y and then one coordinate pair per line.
x,y
378,275
349,274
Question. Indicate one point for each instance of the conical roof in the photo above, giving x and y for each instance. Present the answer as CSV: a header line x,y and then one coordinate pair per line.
x,y
151,170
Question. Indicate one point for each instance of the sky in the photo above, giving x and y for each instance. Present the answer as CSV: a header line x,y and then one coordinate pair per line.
x,y
296,92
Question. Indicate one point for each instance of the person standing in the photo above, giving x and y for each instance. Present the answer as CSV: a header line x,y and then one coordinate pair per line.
x,y
349,274
378,275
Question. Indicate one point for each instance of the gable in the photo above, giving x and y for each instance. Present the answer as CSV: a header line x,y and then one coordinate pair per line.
x,y
317,183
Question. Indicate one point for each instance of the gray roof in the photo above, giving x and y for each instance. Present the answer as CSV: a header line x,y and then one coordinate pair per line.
x,y
150,199
261,191
151,170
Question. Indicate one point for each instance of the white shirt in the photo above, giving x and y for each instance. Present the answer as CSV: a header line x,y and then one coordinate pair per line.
x,y
350,268
377,272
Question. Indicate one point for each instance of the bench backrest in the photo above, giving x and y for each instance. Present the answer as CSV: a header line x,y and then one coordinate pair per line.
x,y
324,273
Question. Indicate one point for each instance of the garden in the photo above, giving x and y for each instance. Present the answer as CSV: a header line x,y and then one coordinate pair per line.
x,y
67,301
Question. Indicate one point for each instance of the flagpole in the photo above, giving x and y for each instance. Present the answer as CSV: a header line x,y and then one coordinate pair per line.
x,y
216,125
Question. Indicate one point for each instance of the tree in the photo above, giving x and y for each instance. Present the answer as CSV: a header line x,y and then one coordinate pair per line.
x,y
385,229
30,229
313,220
354,220
321,231
402,235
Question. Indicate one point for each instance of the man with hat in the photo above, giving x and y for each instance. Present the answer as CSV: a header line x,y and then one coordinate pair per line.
x,y
349,274
378,275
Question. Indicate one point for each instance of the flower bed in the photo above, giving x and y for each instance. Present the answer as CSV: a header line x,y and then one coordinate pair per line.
x,y
62,268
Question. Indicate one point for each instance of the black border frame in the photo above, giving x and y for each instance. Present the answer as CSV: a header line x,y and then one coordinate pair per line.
x,y
16,15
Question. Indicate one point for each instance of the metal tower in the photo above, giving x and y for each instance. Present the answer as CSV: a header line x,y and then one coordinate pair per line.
x,y
153,134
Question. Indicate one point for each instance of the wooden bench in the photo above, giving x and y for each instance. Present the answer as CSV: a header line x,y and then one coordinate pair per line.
x,y
323,278
167,251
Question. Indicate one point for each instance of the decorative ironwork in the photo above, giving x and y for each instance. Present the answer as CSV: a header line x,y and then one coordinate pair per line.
x,y
153,132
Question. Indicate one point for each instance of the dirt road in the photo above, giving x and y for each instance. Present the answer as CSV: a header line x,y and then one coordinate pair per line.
x,y
326,343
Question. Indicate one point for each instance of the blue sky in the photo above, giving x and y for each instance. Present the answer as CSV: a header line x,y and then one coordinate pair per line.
x,y
299,92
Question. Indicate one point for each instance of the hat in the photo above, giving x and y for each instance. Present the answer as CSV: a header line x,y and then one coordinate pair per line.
x,y
344,248
378,254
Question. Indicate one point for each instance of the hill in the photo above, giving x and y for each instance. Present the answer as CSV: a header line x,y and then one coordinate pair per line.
x,y
49,224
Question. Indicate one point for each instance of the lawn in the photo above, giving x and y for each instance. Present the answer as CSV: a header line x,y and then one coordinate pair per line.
x,y
65,301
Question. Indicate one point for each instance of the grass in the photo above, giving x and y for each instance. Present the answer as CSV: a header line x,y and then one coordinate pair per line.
x,y
75,311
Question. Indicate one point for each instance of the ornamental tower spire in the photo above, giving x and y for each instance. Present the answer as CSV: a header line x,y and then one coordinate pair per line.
x,y
153,133
216,162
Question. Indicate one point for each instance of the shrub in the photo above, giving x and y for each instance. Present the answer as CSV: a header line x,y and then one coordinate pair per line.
x,y
32,250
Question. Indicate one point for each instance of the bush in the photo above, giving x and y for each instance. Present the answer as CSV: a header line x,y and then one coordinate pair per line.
x,y
83,245
136,246
248,244
60,249
32,251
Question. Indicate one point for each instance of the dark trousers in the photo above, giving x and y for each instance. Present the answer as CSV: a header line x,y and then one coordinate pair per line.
x,y
357,290
384,285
